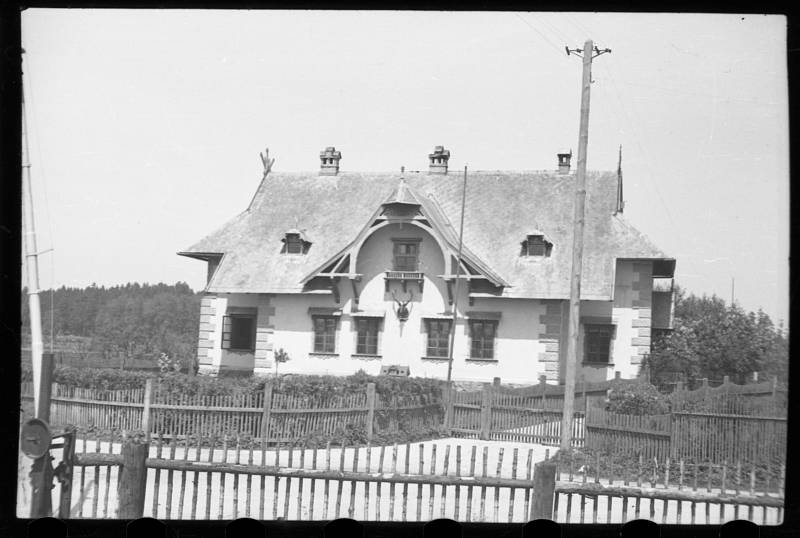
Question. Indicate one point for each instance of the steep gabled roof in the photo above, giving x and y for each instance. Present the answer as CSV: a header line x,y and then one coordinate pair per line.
x,y
501,210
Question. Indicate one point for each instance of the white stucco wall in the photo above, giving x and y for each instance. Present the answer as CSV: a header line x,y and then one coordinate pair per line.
x,y
530,339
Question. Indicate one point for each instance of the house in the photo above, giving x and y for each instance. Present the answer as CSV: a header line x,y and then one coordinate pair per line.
x,y
347,271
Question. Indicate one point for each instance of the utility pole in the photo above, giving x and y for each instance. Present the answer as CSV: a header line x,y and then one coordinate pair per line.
x,y
458,279
32,266
588,53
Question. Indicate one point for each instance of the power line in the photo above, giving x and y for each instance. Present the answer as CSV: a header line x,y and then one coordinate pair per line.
x,y
555,47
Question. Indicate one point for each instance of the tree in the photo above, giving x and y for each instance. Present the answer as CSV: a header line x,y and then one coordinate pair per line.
x,y
711,339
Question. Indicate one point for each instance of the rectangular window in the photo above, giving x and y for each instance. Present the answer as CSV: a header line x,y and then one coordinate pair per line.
x,y
597,343
536,246
367,336
406,255
324,334
438,337
239,332
482,334
294,245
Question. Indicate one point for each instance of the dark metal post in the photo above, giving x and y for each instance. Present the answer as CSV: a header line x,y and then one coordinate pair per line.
x,y
65,503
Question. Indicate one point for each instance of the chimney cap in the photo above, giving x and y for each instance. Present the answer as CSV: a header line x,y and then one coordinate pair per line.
x,y
439,151
330,151
564,151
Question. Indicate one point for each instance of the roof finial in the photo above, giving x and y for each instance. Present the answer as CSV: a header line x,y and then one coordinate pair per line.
x,y
267,162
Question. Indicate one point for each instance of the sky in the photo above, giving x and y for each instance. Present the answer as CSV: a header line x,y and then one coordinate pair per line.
x,y
145,126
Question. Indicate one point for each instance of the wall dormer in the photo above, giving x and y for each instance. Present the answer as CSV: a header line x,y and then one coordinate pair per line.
x,y
295,242
536,245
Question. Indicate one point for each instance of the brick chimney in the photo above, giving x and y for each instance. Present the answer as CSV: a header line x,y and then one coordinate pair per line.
x,y
329,161
438,160
564,159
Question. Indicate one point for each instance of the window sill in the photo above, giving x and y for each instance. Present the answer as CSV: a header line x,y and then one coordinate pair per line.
x,y
366,356
588,363
474,359
425,358
321,354
232,350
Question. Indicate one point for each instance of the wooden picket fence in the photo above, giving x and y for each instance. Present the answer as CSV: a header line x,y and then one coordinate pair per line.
x,y
648,435
692,435
669,492
231,477
530,414
271,415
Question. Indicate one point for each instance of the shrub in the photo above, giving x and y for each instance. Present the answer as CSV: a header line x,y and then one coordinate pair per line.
x,y
635,397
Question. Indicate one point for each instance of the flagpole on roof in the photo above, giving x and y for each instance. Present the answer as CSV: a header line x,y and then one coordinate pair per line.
x,y
458,279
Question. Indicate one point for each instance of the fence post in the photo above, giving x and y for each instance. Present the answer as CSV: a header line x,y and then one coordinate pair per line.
x,y
583,391
371,410
486,411
755,377
65,504
266,413
447,402
544,485
617,374
496,381
543,386
148,398
774,388
132,479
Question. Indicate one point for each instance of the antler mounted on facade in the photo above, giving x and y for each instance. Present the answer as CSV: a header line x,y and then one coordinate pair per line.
x,y
402,311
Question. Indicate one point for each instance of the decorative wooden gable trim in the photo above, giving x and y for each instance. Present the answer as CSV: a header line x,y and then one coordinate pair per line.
x,y
403,205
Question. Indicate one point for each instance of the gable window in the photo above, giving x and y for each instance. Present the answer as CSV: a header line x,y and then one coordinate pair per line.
x,y
597,343
367,336
406,255
482,336
438,338
295,242
239,332
294,245
325,334
536,245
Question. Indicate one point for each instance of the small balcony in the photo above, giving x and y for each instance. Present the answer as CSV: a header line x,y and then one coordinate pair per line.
x,y
404,277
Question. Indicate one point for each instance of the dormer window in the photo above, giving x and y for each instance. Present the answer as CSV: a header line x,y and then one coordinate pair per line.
x,y
294,242
536,245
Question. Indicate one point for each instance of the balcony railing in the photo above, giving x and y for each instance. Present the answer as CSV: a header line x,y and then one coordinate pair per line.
x,y
404,277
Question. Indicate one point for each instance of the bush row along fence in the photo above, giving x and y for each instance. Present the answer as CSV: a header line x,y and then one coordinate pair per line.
x,y
99,359
767,398
698,436
269,415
